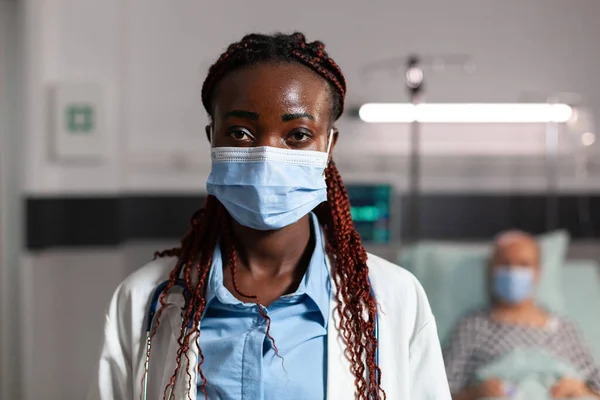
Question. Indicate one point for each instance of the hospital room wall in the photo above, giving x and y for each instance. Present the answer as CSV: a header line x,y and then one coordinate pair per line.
x,y
11,227
138,49
141,51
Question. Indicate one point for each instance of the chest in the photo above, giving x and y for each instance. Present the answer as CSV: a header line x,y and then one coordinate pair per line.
x,y
248,355
313,365
496,340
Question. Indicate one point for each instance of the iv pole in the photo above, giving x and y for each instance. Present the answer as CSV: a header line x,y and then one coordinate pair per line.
x,y
414,84
551,175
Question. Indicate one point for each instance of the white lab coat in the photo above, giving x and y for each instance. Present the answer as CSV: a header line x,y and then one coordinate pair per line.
x,y
410,357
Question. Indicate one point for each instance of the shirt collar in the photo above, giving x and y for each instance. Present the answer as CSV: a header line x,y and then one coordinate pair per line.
x,y
316,283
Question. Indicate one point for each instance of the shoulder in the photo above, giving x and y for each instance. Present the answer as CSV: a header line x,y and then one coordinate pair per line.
x,y
137,288
126,314
473,322
391,277
477,317
398,292
564,325
149,275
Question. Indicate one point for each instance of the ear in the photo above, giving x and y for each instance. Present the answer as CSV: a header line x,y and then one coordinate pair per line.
x,y
208,130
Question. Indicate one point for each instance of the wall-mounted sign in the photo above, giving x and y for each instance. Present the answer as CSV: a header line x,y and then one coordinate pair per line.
x,y
79,121
80,118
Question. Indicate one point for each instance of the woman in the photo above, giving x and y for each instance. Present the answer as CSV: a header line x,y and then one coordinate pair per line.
x,y
515,321
283,302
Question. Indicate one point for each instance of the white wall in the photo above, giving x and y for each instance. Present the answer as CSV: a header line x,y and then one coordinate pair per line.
x,y
10,203
68,41
68,291
152,55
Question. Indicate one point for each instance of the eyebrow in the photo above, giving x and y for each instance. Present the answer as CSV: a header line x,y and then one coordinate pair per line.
x,y
254,116
289,117
242,114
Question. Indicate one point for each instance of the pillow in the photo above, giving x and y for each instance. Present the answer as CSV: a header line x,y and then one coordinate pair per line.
x,y
454,276
581,283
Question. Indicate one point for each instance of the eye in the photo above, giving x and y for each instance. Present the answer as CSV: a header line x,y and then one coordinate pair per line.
x,y
241,134
300,136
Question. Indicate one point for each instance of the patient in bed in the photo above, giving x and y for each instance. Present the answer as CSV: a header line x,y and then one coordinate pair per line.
x,y
516,336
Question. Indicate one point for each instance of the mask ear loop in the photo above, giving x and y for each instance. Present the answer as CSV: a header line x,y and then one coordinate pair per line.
x,y
329,141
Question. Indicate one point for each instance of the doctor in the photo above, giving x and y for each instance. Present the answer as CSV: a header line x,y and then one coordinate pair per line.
x,y
271,294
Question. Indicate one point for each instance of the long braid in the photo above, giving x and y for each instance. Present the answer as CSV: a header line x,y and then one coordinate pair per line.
x,y
356,308
353,288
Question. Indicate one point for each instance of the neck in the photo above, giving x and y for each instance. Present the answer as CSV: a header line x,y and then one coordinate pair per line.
x,y
523,307
525,313
273,252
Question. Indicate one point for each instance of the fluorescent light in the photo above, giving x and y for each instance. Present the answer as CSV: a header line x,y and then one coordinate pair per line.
x,y
465,113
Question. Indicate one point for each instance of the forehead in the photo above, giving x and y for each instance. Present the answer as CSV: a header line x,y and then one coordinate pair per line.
x,y
523,249
273,87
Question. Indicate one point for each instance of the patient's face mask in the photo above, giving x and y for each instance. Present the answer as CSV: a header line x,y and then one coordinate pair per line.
x,y
268,188
513,285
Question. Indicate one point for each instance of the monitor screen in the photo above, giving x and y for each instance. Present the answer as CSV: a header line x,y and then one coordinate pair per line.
x,y
370,206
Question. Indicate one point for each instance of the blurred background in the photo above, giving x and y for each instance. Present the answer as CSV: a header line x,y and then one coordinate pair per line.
x,y
103,155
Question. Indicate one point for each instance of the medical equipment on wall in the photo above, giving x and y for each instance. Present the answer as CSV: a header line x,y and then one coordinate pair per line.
x,y
186,294
371,207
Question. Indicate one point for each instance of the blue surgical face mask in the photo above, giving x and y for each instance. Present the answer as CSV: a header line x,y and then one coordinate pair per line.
x,y
268,188
513,285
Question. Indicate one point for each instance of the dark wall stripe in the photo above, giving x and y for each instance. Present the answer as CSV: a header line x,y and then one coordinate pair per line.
x,y
55,222
483,216
158,217
101,221
77,221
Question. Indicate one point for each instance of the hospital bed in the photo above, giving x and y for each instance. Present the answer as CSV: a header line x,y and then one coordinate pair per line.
x,y
454,278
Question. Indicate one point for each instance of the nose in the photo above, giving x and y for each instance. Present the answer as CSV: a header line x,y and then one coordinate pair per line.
x,y
270,139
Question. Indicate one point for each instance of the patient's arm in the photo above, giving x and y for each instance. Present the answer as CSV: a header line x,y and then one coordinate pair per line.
x,y
460,366
470,393
572,388
582,356
458,356
490,388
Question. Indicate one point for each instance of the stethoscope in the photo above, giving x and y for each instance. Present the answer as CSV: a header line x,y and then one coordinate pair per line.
x,y
186,294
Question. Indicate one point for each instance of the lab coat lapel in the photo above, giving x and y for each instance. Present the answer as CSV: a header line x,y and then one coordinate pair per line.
x,y
340,381
172,320
188,371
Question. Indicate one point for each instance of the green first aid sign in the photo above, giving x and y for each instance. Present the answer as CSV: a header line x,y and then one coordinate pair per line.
x,y
80,118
